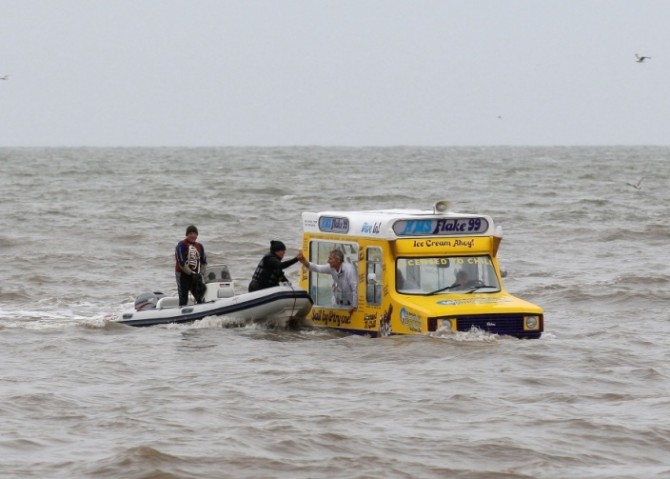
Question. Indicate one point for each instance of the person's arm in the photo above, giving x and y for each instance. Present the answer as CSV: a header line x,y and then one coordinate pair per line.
x,y
274,263
319,268
302,260
288,262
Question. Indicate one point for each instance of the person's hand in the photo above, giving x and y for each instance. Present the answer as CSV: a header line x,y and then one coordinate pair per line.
x,y
300,256
352,310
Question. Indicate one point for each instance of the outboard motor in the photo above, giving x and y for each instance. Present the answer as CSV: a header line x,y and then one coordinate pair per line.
x,y
147,301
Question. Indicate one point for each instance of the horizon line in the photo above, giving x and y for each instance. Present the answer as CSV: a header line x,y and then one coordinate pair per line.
x,y
502,145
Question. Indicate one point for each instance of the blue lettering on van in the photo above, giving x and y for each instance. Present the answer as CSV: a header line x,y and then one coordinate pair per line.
x,y
449,226
441,226
413,227
373,228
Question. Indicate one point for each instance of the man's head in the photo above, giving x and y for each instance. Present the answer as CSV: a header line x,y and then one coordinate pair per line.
x,y
277,248
191,233
335,258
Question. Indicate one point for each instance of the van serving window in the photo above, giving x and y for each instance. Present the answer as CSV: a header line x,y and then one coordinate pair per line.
x,y
321,285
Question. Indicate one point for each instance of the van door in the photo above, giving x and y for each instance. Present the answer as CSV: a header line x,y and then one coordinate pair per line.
x,y
374,276
374,288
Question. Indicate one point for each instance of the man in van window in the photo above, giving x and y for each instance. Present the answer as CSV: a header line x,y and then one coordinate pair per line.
x,y
345,278
463,281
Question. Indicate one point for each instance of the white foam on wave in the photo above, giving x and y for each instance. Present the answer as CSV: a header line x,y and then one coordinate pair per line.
x,y
35,319
209,322
473,335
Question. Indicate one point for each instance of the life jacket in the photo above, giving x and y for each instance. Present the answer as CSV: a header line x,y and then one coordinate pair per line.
x,y
190,254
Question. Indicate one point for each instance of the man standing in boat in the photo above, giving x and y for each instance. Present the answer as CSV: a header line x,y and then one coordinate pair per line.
x,y
270,270
191,262
345,278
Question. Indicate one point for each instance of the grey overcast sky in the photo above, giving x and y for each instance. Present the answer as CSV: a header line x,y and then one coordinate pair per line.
x,y
336,72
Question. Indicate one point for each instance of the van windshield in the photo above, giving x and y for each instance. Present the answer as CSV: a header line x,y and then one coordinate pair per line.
x,y
445,274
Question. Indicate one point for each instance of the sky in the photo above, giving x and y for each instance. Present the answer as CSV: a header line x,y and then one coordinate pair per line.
x,y
334,72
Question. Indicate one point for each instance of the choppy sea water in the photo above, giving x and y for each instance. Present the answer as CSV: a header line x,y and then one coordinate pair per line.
x,y
82,231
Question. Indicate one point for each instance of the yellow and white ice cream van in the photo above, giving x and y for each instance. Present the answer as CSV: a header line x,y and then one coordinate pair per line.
x,y
419,271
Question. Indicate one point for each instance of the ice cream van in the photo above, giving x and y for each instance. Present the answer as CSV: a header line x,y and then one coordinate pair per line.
x,y
418,272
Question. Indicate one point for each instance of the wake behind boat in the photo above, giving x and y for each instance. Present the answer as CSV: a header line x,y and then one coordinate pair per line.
x,y
272,307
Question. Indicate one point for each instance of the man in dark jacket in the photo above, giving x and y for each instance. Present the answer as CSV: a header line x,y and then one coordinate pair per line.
x,y
270,270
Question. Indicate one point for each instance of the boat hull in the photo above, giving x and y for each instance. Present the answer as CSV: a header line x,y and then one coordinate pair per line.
x,y
274,307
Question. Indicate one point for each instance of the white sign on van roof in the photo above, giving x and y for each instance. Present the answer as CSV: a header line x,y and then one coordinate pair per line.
x,y
397,223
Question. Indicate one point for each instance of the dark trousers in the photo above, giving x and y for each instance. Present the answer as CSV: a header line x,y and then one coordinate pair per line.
x,y
184,286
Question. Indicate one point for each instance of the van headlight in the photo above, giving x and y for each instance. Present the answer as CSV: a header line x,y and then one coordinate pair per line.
x,y
448,324
531,322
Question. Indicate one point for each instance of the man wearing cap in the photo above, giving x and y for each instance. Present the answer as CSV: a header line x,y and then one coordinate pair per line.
x,y
270,270
190,266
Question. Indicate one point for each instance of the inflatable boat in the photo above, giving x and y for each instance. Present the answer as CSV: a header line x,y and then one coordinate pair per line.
x,y
279,306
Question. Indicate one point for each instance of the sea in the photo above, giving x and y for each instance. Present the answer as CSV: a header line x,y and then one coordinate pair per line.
x,y
85,230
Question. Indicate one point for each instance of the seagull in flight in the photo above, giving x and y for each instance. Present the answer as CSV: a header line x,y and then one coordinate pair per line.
x,y
637,185
641,59
6,77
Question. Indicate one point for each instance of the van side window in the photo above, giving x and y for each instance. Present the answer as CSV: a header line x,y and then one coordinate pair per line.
x,y
374,277
321,285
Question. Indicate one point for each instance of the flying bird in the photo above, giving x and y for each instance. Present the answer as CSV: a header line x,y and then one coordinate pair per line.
x,y
6,77
641,59
637,185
